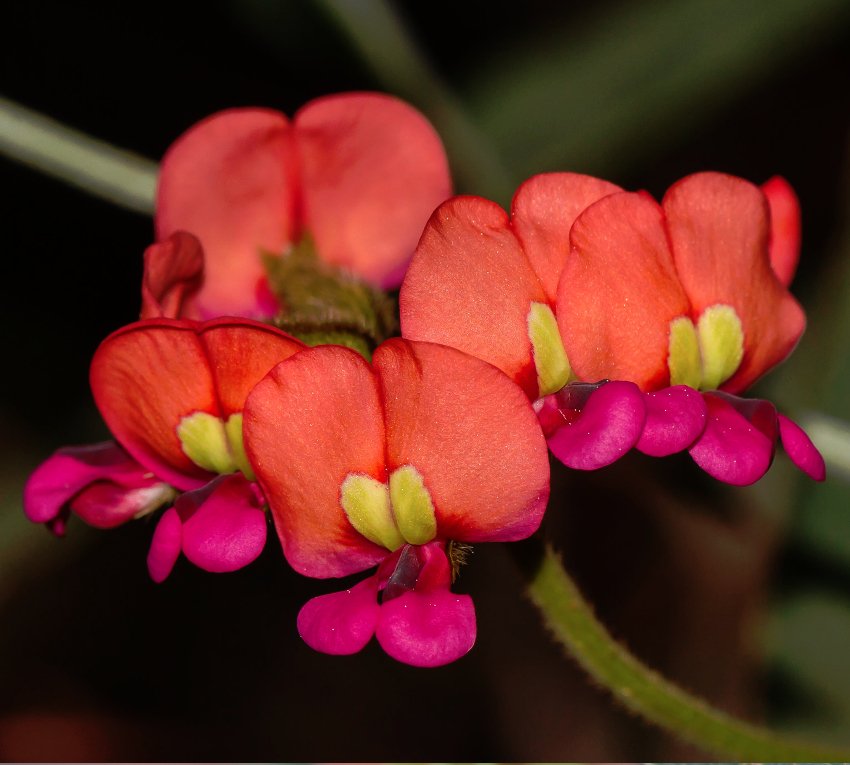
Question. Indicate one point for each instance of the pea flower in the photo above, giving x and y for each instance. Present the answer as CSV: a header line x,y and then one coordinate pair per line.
x,y
357,174
390,465
172,393
630,324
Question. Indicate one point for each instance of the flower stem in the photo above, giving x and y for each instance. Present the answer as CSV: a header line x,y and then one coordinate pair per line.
x,y
641,689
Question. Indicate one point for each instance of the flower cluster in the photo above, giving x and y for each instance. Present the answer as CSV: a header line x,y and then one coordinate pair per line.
x,y
592,319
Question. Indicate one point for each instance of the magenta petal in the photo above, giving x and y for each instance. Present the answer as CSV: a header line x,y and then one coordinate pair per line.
x,y
106,505
738,443
675,418
165,545
341,623
224,528
799,447
427,629
68,471
609,424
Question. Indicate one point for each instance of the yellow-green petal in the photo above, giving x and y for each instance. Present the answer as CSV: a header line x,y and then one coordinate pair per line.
x,y
233,429
204,441
366,503
683,357
550,358
721,340
412,506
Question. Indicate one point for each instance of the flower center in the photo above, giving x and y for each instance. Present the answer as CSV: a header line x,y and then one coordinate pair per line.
x,y
390,515
550,358
214,444
706,355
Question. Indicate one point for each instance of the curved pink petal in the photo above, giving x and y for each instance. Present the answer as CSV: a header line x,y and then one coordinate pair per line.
x,y
174,269
675,418
470,286
165,545
784,228
739,440
372,171
225,529
57,480
427,629
719,228
315,419
341,623
609,424
230,180
799,447
543,211
618,293
107,505
471,434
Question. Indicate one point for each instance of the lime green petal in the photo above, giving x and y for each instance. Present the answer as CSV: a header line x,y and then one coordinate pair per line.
x,y
233,429
412,506
204,441
721,339
683,358
550,358
366,502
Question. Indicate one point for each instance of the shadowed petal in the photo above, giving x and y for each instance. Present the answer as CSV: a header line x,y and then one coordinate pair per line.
x,y
341,623
372,171
174,270
675,417
799,447
738,443
543,211
107,505
470,433
165,545
784,228
224,527
608,425
230,180
470,286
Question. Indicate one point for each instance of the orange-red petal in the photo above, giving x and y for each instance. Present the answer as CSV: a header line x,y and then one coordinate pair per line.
x,y
471,434
543,211
230,180
784,228
372,171
718,227
315,419
619,292
470,286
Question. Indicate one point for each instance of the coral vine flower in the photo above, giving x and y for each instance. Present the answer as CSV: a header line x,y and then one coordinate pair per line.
x,y
172,393
384,465
358,173
587,283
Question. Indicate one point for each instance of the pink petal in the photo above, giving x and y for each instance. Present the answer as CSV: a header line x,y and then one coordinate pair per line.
x,y
106,505
675,418
799,447
739,439
607,426
341,623
174,269
226,528
427,629
165,545
70,470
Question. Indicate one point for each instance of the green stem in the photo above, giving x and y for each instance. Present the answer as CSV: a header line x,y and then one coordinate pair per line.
x,y
644,691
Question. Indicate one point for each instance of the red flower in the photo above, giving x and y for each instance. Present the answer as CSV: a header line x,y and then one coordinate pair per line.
x,y
586,283
359,173
383,465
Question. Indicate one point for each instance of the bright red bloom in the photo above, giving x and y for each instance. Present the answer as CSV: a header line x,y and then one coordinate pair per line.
x,y
665,298
359,173
384,464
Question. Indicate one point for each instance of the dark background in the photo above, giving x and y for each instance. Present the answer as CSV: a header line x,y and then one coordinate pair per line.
x,y
742,595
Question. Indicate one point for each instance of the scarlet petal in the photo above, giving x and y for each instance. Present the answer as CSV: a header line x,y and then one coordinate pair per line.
x,y
609,425
675,418
55,482
226,528
799,447
719,228
618,293
372,171
427,629
733,448
165,546
784,228
341,623
470,286
472,435
315,419
230,180
173,271
543,211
